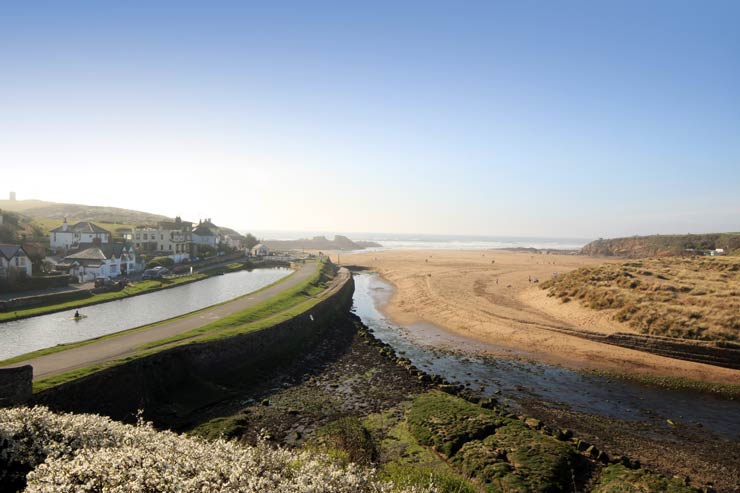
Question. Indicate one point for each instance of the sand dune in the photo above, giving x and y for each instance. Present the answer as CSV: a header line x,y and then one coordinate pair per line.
x,y
493,296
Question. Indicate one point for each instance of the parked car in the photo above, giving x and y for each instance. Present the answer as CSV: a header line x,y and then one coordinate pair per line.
x,y
102,281
155,273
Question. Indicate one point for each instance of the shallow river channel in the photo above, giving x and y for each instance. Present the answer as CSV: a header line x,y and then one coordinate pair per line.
x,y
471,363
30,334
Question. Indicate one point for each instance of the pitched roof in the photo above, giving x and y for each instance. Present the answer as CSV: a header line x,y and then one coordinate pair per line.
x,y
9,251
107,250
81,227
203,231
94,253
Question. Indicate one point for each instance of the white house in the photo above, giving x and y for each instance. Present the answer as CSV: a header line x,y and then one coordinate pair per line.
x,y
68,237
13,258
232,241
110,260
260,250
203,235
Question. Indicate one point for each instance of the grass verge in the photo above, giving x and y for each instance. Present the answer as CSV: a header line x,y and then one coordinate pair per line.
x,y
72,345
288,303
304,296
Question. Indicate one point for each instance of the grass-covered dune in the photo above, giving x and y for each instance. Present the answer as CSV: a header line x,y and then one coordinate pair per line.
x,y
694,298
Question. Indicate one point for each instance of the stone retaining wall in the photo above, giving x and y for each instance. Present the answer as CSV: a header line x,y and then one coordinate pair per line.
x,y
15,385
173,383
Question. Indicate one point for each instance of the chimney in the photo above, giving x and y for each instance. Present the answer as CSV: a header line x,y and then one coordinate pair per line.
x,y
12,196
64,225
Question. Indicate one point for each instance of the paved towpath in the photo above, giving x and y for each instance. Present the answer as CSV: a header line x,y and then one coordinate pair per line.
x,y
127,343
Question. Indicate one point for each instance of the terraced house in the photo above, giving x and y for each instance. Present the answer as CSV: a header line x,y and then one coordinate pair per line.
x,y
169,238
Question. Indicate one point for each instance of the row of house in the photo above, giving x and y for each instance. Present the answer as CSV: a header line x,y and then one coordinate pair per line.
x,y
178,237
87,251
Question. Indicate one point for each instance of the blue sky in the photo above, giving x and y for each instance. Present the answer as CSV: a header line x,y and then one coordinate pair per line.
x,y
582,119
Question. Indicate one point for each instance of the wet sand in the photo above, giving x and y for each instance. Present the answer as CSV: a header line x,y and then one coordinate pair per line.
x,y
492,296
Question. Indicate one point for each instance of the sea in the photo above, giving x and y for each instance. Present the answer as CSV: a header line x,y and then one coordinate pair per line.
x,y
396,241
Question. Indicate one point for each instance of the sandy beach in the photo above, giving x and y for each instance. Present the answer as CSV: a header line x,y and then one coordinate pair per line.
x,y
494,296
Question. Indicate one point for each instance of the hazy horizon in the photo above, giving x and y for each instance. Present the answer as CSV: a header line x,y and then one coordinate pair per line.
x,y
575,120
287,233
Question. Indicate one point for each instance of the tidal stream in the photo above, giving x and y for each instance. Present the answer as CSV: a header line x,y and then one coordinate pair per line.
x,y
471,363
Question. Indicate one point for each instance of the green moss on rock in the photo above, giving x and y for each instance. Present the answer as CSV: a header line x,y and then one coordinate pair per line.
x,y
445,422
517,459
617,479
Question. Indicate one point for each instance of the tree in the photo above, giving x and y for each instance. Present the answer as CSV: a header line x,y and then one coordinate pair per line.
x,y
7,234
205,251
250,241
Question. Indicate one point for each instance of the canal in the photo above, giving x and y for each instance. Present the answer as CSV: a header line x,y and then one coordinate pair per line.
x,y
30,334
472,363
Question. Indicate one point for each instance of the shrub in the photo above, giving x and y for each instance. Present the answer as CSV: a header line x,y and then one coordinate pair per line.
x,y
86,453
163,261
351,437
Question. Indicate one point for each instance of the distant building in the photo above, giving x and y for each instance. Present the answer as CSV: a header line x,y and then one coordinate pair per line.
x,y
70,237
12,196
260,250
204,234
232,241
14,260
171,238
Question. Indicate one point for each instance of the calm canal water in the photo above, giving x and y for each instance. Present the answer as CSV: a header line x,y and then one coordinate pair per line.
x,y
31,334
470,362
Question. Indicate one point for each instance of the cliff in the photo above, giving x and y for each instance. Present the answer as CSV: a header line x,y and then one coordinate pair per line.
x,y
663,245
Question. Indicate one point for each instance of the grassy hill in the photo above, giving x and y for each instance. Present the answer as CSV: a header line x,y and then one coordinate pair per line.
x,y
663,245
49,215
22,205
33,219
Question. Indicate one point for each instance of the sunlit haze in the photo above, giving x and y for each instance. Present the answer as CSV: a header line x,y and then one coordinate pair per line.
x,y
570,119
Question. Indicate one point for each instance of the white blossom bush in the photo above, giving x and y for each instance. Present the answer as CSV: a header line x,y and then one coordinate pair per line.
x,y
87,453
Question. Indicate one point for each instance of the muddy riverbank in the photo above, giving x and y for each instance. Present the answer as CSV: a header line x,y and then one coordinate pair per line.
x,y
354,375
